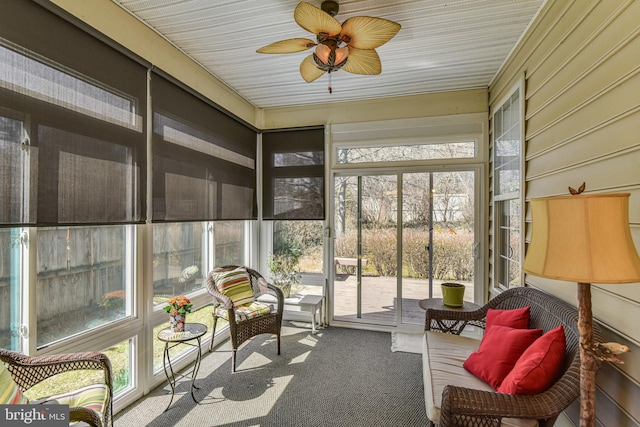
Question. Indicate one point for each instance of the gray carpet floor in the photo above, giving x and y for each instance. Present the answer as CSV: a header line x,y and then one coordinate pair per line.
x,y
338,377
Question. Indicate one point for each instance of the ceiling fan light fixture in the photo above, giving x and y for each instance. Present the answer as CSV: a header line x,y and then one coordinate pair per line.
x,y
331,59
349,46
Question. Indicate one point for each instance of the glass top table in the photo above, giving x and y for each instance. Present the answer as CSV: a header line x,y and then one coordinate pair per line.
x,y
193,331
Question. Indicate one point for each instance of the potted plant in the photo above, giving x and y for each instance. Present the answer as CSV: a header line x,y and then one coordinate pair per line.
x,y
284,270
178,307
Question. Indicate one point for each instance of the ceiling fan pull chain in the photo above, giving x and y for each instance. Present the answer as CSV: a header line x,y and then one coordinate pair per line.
x,y
330,88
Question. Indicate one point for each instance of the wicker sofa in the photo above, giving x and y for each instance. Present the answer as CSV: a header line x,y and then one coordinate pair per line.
x,y
454,397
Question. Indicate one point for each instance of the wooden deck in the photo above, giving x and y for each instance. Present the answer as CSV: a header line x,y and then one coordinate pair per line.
x,y
379,299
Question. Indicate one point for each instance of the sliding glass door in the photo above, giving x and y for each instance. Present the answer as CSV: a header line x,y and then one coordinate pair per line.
x,y
397,237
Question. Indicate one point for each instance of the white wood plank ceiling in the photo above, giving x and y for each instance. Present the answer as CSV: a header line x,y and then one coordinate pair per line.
x,y
443,45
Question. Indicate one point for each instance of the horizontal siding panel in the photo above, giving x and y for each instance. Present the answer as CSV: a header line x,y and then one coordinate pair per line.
x,y
631,367
558,98
608,175
616,313
609,413
627,291
619,99
589,46
541,143
591,146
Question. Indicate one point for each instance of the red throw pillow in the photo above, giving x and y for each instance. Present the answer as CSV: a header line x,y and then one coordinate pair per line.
x,y
538,367
499,351
517,318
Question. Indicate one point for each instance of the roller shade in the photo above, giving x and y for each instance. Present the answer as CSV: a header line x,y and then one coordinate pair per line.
x,y
293,177
203,160
71,128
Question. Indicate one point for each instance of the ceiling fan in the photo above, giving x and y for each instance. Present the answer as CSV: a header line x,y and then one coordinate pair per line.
x,y
349,46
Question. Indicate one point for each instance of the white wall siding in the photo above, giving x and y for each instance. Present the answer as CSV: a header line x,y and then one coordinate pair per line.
x,y
581,62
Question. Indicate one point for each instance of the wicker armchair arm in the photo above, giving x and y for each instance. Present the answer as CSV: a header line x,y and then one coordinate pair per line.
x,y
460,403
279,295
221,298
88,416
28,371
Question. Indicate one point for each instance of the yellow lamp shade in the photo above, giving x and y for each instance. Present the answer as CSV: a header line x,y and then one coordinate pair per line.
x,y
583,238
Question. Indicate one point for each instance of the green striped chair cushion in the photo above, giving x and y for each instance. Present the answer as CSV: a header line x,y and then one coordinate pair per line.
x,y
235,284
247,311
92,397
9,391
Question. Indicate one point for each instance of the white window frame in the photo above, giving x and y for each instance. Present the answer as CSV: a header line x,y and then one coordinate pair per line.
x,y
498,199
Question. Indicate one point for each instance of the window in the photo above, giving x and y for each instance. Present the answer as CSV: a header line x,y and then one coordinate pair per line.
x,y
179,259
431,151
184,253
507,203
10,288
295,260
84,279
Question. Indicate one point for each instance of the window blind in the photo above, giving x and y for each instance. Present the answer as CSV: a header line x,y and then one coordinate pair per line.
x,y
71,129
203,160
293,174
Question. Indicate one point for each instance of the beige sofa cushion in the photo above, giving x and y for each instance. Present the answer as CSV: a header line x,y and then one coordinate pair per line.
x,y
442,359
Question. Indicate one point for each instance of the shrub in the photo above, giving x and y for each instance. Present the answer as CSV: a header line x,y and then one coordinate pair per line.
x,y
113,300
381,251
452,258
415,246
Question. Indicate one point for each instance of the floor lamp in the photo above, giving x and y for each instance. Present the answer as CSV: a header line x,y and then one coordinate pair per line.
x,y
584,238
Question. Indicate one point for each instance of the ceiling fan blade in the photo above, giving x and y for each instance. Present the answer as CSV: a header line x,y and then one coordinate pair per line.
x,y
363,61
308,69
367,32
288,46
315,20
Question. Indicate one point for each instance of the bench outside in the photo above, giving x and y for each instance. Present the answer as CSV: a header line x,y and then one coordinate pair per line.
x,y
352,262
348,265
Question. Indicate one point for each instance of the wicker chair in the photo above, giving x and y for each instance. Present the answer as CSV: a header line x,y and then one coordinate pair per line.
x,y
242,330
462,406
27,371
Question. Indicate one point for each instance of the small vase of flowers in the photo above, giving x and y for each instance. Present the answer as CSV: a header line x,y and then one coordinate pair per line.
x,y
178,307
